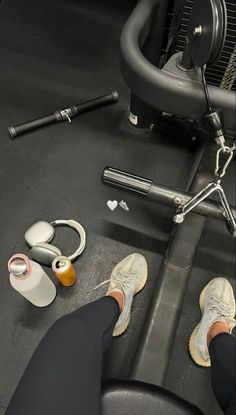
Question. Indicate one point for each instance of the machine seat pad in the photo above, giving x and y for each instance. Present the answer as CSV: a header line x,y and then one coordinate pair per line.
x,y
138,398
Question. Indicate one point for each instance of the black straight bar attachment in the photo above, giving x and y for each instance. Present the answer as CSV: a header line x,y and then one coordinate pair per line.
x,y
63,115
160,194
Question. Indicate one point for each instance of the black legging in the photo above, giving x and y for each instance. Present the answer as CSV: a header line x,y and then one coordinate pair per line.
x,y
223,371
64,373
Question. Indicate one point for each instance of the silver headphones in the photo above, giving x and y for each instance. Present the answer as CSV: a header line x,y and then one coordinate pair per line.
x,y
41,233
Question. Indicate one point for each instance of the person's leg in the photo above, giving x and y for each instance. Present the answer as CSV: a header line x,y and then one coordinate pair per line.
x,y
211,343
64,374
222,350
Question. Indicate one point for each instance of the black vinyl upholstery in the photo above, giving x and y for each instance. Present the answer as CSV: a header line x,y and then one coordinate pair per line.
x,y
137,398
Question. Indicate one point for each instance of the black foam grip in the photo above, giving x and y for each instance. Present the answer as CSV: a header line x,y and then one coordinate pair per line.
x,y
32,125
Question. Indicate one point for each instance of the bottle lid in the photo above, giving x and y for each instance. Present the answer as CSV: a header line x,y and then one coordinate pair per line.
x,y
18,265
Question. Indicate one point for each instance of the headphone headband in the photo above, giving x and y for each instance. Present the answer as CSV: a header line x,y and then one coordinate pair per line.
x,y
79,229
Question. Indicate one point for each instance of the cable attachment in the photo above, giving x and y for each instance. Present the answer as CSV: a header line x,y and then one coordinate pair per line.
x,y
212,187
213,119
66,114
213,122
194,201
220,170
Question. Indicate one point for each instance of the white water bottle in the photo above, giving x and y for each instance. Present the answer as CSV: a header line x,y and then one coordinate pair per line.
x,y
30,280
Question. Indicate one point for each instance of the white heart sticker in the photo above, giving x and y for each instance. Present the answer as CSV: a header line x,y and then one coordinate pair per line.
x,y
112,204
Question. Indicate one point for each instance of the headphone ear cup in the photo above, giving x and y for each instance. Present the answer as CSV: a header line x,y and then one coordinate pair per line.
x,y
45,253
40,232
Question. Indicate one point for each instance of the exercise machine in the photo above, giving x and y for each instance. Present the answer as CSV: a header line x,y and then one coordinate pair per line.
x,y
180,88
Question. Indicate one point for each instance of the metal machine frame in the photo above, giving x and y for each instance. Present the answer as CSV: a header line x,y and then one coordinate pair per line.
x,y
172,89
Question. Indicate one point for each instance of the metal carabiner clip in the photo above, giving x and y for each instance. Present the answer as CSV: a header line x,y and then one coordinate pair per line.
x,y
220,170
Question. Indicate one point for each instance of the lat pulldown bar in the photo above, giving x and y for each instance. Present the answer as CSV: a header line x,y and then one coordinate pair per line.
x,y
160,194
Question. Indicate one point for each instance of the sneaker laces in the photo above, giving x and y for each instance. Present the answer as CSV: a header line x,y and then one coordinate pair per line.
x,y
120,278
219,308
102,283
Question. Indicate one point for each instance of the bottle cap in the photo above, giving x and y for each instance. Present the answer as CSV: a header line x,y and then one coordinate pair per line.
x,y
18,265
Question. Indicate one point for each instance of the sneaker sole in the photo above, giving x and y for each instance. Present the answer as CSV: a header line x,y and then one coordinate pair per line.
x,y
123,327
192,347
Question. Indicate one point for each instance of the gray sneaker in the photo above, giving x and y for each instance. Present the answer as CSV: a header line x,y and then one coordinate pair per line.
x,y
217,303
129,276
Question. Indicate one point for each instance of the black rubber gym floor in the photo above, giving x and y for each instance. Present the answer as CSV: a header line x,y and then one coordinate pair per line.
x,y
215,257
55,54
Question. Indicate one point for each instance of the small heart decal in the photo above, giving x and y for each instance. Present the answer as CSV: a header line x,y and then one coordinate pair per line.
x,y
112,204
